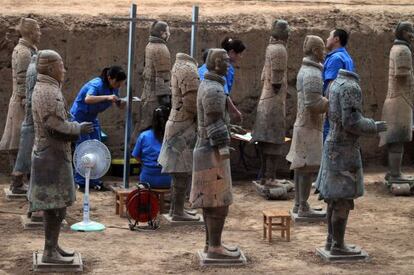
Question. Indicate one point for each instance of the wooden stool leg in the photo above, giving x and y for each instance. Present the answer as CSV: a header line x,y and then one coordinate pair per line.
x,y
283,222
269,229
288,229
264,227
122,206
116,204
161,203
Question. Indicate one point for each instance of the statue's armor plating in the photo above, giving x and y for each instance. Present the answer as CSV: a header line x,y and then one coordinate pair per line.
x,y
24,156
340,175
270,121
306,148
176,154
21,56
51,181
211,182
157,78
398,106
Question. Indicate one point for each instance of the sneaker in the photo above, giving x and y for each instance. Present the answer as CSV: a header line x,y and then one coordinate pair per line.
x,y
101,188
81,188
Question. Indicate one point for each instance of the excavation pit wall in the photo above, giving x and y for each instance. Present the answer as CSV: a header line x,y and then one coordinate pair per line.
x,y
88,44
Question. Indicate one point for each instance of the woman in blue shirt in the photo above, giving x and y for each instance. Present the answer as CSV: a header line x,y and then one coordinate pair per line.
x,y
94,97
235,49
147,149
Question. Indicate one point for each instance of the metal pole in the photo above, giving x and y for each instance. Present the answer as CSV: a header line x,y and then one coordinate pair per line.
x,y
194,25
130,77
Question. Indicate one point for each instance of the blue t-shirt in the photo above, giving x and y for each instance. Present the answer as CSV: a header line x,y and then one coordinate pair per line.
x,y
229,78
81,111
147,148
334,61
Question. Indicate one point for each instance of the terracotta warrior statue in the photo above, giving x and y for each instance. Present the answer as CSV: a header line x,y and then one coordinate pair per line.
x,y
306,149
52,188
157,73
22,53
398,105
176,156
340,178
269,127
24,156
211,182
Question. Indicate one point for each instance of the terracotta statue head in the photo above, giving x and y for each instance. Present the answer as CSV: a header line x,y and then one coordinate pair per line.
x,y
404,31
218,61
160,29
50,63
280,30
29,29
314,46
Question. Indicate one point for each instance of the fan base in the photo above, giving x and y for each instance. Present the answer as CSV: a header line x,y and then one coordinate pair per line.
x,y
87,227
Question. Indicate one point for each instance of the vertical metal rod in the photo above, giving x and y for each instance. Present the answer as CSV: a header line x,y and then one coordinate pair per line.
x,y
130,77
194,25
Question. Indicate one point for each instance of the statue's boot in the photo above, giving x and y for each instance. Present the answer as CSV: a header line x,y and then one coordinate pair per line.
x,y
17,184
179,182
172,197
52,223
394,164
230,248
305,185
328,243
269,171
215,248
191,212
65,252
295,208
338,243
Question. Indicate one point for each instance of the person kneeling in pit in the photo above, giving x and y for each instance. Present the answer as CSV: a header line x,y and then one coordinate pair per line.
x,y
147,150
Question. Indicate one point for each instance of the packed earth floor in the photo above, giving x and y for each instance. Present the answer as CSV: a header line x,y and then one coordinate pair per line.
x,y
381,223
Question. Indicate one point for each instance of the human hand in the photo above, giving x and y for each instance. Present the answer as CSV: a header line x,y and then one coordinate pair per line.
x,y
381,126
86,127
112,98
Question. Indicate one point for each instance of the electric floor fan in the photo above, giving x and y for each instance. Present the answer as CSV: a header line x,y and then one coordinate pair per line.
x,y
92,160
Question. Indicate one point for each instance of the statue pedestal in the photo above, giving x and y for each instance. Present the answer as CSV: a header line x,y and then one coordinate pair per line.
x,y
400,187
29,224
168,218
10,196
205,261
327,257
39,266
306,220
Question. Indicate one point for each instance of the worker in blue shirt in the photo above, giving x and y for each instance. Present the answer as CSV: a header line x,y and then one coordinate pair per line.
x,y
336,59
235,49
147,149
94,97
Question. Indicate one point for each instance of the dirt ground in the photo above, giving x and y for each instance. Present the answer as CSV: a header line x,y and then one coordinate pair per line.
x,y
208,7
381,223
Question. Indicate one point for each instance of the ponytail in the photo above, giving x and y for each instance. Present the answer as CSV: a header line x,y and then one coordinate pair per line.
x,y
236,45
114,72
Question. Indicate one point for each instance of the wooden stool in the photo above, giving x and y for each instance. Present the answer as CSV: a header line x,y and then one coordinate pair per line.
x,y
120,201
161,195
269,225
